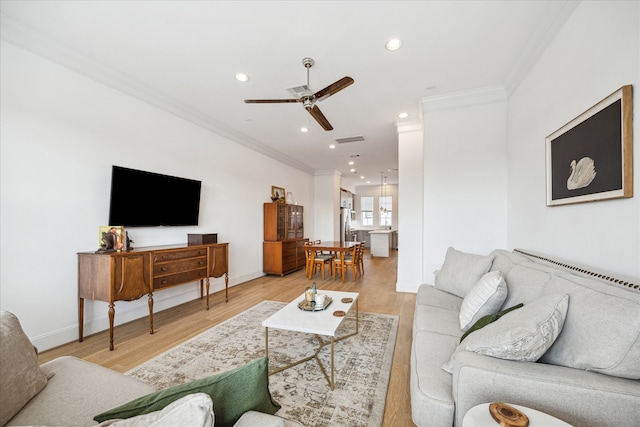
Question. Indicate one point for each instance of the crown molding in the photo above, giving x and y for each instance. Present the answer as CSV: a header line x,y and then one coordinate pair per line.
x,y
550,26
467,98
31,40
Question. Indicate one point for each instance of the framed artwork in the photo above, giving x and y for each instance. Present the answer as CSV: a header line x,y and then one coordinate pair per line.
x,y
591,157
278,194
111,238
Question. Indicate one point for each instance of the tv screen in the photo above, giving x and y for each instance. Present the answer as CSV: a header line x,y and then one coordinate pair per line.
x,y
146,199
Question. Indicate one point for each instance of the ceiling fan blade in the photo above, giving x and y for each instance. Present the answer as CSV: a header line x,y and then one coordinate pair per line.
x,y
270,101
320,118
333,88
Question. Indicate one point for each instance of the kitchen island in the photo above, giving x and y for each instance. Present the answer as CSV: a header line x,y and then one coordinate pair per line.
x,y
381,242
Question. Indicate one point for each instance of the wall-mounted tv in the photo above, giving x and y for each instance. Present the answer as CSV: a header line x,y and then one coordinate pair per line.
x,y
147,199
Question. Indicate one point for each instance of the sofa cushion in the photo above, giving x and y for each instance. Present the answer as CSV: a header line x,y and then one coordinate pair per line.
x,y
20,375
461,271
610,347
432,401
193,410
233,393
486,297
525,284
430,296
66,400
436,319
524,334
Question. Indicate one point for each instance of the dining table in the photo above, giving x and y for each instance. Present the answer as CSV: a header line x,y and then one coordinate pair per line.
x,y
337,247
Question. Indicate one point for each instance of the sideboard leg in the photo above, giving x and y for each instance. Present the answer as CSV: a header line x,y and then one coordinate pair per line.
x,y
208,285
226,287
80,319
150,313
112,315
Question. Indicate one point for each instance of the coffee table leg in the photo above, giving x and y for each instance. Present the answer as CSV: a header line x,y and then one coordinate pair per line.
x,y
332,367
266,339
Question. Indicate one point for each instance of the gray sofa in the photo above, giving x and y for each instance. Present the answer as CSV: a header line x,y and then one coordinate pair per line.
x,y
572,350
69,391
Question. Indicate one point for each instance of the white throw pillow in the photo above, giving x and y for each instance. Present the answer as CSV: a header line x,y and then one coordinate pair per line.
x,y
191,410
486,297
461,271
524,334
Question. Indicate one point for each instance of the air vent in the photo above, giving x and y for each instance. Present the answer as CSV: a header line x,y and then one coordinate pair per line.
x,y
350,139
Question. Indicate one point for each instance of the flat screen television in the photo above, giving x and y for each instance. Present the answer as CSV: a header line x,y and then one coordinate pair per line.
x,y
147,199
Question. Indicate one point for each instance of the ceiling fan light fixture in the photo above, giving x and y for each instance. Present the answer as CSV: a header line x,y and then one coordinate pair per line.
x,y
393,44
242,77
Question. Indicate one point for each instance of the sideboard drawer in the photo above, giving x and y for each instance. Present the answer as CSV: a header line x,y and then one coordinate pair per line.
x,y
162,256
179,278
162,269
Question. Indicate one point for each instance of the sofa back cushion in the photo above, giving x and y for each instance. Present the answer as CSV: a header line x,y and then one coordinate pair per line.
x,y
524,284
602,329
460,271
20,375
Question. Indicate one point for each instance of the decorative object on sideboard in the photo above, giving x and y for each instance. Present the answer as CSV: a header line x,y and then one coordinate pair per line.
x,y
591,157
289,199
111,238
202,239
278,194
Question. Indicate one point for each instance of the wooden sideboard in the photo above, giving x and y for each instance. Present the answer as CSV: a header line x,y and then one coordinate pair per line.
x,y
129,275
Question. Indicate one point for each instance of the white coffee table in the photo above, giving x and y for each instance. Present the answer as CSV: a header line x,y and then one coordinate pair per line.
x,y
479,416
320,323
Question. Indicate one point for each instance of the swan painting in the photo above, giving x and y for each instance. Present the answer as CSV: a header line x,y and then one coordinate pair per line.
x,y
582,173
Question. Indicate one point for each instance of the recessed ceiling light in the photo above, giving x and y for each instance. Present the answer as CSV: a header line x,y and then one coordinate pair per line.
x,y
352,170
242,77
304,130
393,44
332,146
361,176
351,163
403,115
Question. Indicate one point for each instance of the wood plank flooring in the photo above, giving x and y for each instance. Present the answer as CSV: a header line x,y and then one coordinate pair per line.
x,y
134,344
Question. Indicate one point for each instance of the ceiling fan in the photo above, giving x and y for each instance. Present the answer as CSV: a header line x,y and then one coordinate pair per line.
x,y
309,99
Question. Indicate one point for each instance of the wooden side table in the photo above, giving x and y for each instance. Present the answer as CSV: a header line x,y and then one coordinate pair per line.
x,y
479,416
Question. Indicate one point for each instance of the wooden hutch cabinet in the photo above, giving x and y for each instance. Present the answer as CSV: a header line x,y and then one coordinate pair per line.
x,y
283,246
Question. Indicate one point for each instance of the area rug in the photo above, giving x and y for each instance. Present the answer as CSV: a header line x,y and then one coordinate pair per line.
x,y
362,365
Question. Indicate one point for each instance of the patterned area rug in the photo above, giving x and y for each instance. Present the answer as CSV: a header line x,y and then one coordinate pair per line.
x,y
362,365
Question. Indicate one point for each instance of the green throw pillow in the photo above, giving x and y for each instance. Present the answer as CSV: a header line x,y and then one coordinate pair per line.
x,y
233,393
489,318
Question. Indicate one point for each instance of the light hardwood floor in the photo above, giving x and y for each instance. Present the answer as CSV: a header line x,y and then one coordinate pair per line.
x,y
134,344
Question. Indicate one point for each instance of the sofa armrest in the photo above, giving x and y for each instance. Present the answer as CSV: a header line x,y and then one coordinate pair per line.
x,y
572,395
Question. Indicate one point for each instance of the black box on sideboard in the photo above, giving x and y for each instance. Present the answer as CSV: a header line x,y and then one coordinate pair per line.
x,y
202,239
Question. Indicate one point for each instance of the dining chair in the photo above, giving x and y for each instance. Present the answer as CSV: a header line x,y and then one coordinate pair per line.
x,y
320,260
350,261
361,259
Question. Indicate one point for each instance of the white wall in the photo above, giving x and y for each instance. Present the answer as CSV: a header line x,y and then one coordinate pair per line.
x,y
60,134
465,175
596,52
410,203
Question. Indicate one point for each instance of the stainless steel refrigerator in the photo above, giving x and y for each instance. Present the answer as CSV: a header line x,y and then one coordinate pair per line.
x,y
345,225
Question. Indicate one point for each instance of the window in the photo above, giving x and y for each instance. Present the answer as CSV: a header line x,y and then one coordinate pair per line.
x,y
366,210
386,216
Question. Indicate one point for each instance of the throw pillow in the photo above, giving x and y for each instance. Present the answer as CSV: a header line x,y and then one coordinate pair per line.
x,y
489,318
461,271
486,297
525,335
193,410
233,393
19,368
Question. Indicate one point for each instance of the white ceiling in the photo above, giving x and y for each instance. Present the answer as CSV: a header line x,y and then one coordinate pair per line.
x,y
182,56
